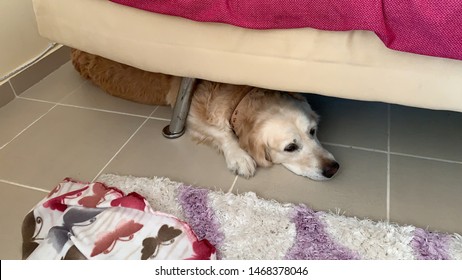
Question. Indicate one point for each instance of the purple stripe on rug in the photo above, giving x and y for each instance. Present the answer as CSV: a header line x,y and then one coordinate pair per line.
x,y
312,242
199,215
430,245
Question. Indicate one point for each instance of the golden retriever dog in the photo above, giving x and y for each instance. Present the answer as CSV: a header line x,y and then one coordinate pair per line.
x,y
250,126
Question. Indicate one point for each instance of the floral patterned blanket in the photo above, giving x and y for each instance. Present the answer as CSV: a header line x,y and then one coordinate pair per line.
x,y
93,221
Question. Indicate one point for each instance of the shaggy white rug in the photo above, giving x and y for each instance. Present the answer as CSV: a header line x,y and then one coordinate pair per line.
x,y
247,227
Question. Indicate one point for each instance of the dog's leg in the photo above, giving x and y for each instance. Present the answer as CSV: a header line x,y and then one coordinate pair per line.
x,y
224,140
237,160
181,109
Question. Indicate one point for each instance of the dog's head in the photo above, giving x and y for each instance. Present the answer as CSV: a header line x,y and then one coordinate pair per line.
x,y
280,128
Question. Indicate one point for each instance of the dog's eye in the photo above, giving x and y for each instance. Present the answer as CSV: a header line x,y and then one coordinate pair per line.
x,y
312,131
291,148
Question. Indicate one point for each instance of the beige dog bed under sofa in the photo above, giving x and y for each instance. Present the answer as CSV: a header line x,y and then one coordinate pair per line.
x,y
347,64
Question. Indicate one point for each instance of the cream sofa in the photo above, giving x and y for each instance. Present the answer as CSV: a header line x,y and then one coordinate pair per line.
x,y
354,64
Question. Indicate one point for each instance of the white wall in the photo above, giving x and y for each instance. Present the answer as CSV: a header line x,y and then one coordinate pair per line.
x,y
19,38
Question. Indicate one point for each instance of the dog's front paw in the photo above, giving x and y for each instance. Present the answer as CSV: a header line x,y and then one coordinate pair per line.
x,y
241,163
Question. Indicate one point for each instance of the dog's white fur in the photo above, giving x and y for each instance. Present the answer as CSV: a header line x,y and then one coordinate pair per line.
x,y
250,126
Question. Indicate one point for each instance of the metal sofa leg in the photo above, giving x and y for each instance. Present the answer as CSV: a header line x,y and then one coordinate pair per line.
x,y
176,128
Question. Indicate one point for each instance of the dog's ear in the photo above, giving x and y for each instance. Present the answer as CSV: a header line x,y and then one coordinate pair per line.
x,y
314,116
297,96
257,148
262,155
248,128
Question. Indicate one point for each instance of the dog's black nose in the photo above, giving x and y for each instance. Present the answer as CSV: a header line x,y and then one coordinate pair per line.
x,y
330,169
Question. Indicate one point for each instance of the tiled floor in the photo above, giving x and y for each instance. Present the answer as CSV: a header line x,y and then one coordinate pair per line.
x,y
397,163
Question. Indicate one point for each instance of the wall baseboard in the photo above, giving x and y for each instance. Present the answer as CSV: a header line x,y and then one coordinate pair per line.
x,y
33,74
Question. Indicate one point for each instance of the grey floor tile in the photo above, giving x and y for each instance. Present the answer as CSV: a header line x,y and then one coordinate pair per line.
x,y
350,122
6,94
17,115
39,70
429,133
17,202
57,85
67,142
163,112
426,193
150,154
90,96
359,189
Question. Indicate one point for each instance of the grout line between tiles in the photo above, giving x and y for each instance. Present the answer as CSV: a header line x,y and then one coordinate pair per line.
x,y
82,83
233,184
12,88
121,148
159,119
155,109
96,109
388,162
22,131
354,147
24,186
391,153
102,110
427,158
36,100
55,104
114,112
